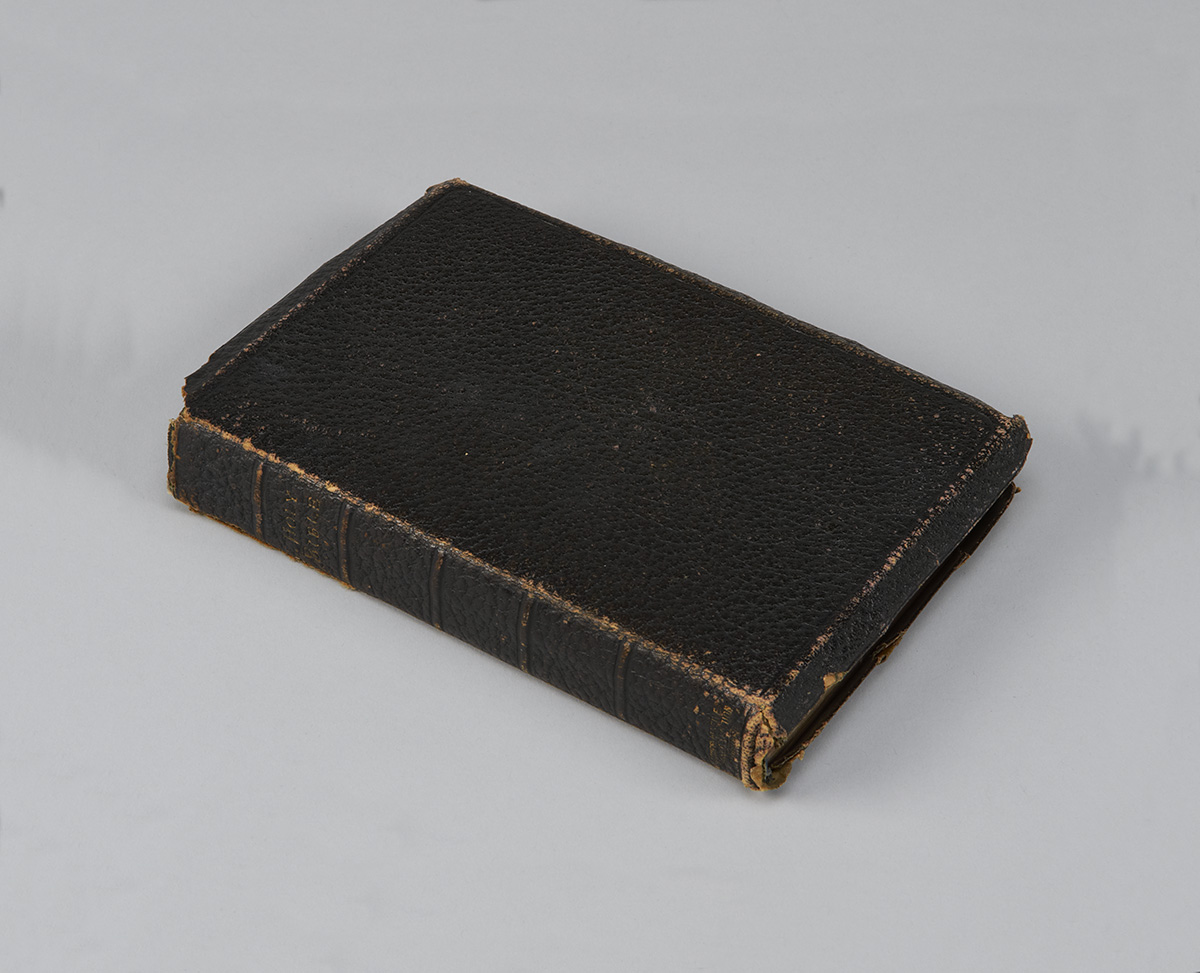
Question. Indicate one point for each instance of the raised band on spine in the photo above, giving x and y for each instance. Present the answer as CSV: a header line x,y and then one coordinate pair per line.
x,y
435,594
258,500
343,539
619,681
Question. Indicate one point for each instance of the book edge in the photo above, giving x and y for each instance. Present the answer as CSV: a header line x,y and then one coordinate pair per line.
x,y
981,461
744,300
737,697
342,264
773,734
319,280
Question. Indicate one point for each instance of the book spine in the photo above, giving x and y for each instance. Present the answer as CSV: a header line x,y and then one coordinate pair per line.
x,y
511,618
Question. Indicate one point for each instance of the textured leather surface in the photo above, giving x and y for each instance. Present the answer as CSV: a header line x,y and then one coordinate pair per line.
x,y
659,495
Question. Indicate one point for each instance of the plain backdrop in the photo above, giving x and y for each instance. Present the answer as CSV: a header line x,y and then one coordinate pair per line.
x,y
213,758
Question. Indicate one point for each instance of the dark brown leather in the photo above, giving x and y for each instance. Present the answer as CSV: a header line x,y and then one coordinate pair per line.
x,y
661,496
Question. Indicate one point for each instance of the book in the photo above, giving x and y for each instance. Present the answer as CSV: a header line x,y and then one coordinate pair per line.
x,y
690,510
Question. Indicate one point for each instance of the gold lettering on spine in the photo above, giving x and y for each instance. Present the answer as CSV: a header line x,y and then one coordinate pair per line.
x,y
310,549
722,725
291,521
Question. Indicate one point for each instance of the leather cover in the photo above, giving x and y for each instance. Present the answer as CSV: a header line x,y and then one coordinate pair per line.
x,y
677,504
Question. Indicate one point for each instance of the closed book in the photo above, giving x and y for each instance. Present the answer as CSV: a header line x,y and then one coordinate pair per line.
x,y
679,505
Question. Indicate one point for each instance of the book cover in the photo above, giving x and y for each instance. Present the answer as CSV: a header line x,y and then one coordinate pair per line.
x,y
679,505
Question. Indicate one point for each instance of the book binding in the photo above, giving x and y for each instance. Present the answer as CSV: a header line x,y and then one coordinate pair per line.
x,y
522,624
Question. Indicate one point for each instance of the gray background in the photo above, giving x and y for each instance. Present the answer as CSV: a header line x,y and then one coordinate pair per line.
x,y
212,758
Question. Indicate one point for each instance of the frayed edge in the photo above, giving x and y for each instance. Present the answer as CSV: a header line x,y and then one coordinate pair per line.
x,y
761,738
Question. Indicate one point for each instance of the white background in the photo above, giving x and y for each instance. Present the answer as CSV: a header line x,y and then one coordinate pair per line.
x,y
212,758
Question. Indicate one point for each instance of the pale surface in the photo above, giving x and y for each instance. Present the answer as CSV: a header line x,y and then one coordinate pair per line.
x,y
212,758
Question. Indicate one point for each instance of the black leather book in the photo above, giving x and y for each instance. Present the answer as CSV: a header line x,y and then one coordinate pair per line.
x,y
706,517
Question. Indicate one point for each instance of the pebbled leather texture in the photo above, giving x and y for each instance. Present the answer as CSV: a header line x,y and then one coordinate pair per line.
x,y
659,495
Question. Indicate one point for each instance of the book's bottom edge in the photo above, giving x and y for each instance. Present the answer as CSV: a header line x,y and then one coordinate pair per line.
x,y
779,762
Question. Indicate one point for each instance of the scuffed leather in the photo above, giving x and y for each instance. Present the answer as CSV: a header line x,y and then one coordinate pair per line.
x,y
671,501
